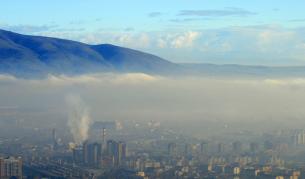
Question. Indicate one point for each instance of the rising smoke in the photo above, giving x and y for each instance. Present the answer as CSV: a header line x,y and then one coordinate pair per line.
x,y
78,118
195,103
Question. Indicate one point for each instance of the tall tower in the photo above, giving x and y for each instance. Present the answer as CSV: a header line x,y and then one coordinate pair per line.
x,y
237,147
254,147
120,153
103,139
77,155
220,148
85,153
204,148
117,150
54,138
172,149
186,149
94,154
54,134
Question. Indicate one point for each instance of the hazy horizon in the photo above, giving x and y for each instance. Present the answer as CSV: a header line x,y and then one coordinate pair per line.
x,y
133,89
192,101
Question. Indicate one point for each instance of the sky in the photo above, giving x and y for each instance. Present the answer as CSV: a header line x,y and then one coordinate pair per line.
x,y
257,32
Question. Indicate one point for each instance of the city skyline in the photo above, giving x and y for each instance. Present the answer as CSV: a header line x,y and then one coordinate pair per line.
x,y
184,89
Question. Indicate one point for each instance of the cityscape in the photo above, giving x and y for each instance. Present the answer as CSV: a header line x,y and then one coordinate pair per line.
x,y
133,89
114,150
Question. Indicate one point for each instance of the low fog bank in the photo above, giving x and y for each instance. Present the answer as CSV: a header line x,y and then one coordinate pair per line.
x,y
196,105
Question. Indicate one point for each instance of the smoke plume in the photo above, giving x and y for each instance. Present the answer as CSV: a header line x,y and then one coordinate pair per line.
x,y
79,118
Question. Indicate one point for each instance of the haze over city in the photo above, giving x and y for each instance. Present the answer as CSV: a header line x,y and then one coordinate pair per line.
x,y
138,89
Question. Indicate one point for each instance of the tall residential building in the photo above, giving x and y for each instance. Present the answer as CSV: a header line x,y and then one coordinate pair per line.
x,y
204,148
111,147
85,153
220,148
95,154
172,149
10,167
268,145
92,154
254,147
299,138
78,155
237,147
187,149
116,150
122,152
54,139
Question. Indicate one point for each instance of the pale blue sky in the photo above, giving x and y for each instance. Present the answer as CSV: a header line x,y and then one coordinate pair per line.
x,y
210,31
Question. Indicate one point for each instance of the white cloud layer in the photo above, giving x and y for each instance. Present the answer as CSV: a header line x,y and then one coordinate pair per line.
x,y
185,40
263,44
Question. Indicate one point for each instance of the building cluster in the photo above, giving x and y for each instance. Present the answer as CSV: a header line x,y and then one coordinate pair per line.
x,y
157,154
299,137
10,167
97,155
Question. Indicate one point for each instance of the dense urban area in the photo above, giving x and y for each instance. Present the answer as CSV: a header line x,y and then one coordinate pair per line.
x,y
129,149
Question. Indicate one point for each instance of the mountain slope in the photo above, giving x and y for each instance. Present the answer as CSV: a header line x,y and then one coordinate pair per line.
x,y
32,55
126,60
27,56
35,56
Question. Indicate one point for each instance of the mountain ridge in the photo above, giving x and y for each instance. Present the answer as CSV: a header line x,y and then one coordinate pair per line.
x,y
28,56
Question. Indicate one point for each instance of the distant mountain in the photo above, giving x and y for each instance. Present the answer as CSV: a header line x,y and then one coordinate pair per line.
x,y
126,60
235,70
36,56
